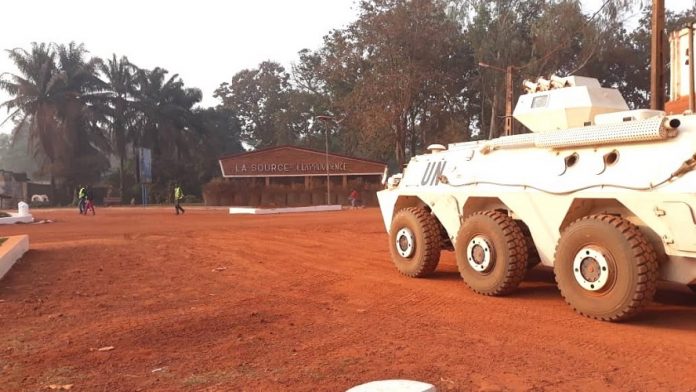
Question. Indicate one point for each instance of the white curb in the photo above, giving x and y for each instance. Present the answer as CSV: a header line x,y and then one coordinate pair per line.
x,y
265,211
12,250
16,218
394,386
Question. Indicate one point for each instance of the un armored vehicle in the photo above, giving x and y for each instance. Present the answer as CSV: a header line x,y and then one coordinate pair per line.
x,y
604,195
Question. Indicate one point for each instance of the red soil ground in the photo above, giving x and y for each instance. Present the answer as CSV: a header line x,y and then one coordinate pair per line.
x,y
302,302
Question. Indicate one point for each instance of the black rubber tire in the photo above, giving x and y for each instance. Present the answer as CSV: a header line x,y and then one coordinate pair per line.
x,y
533,258
508,247
426,232
627,252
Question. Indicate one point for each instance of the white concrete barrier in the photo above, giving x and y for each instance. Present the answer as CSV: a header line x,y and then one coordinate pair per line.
x,y
394,386
12,250
16,218
22,209
285,210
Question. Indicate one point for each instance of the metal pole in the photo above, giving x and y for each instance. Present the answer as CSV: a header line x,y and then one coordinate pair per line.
x,y
508,101
692,93
657,81
328,179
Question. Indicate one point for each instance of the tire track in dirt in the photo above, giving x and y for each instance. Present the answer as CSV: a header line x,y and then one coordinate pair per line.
x,y
304,300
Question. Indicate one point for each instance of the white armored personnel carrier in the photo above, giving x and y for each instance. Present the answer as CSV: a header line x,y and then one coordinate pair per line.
x,y
604,195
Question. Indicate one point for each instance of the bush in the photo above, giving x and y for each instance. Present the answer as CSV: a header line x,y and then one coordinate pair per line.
x,y
191,199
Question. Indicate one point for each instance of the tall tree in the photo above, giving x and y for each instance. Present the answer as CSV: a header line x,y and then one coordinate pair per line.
x,y
54,97
33,105
80,115
527,35
409,68
119,109
165,123
219,135
14,157
260,99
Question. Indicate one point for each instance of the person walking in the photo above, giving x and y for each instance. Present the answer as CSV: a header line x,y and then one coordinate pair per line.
x,y
82,198
178,196
355,199
89,197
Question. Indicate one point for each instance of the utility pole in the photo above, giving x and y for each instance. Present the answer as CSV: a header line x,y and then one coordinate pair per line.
x,y
657,76
692,87
335,122
508,100
508,95
328,177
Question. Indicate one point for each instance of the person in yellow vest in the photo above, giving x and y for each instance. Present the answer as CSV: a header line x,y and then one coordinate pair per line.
x,y
82,199
178,196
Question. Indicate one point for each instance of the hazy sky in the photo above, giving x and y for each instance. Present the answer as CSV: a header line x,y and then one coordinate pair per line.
x,y
204,41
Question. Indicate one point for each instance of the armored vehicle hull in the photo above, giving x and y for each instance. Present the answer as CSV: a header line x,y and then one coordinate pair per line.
x,y
610,207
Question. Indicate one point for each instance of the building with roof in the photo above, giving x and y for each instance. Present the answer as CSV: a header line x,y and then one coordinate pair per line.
x,y
13,188
293,176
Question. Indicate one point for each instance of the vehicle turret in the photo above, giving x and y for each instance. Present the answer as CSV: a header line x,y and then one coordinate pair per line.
x,y
604,195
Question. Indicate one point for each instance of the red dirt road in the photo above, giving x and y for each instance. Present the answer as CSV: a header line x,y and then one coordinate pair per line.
x,y
302,302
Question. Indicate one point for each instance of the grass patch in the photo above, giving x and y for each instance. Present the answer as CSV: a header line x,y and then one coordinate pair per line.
x,y
197,379
61,375
2,239
4,214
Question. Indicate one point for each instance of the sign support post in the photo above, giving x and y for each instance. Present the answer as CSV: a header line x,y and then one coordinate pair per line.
x,y
145,172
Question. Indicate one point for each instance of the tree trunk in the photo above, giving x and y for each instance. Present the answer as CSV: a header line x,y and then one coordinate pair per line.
x,y
53,185
414,142
399,154
399,148
123,179
493,132
401,140
137,165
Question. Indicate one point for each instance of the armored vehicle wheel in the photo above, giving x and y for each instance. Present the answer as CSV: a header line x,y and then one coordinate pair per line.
x,y
605,267
491,253
533,258
415,242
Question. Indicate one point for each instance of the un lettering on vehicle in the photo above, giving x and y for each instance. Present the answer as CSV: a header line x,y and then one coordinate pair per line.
x,y
432,173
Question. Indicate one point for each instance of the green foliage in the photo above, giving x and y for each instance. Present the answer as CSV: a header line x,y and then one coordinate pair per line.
x,y
220,134
395,80
54,103
406,74
15,154
403,75
414,69
120,112
72,112
260,97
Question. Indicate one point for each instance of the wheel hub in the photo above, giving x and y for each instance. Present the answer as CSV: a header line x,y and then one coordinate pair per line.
x,y
405,242
479,254
591,269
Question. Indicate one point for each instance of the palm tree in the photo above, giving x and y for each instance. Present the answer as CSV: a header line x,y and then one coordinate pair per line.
x,y
120,109
57,94
80,115
33,108
165,119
